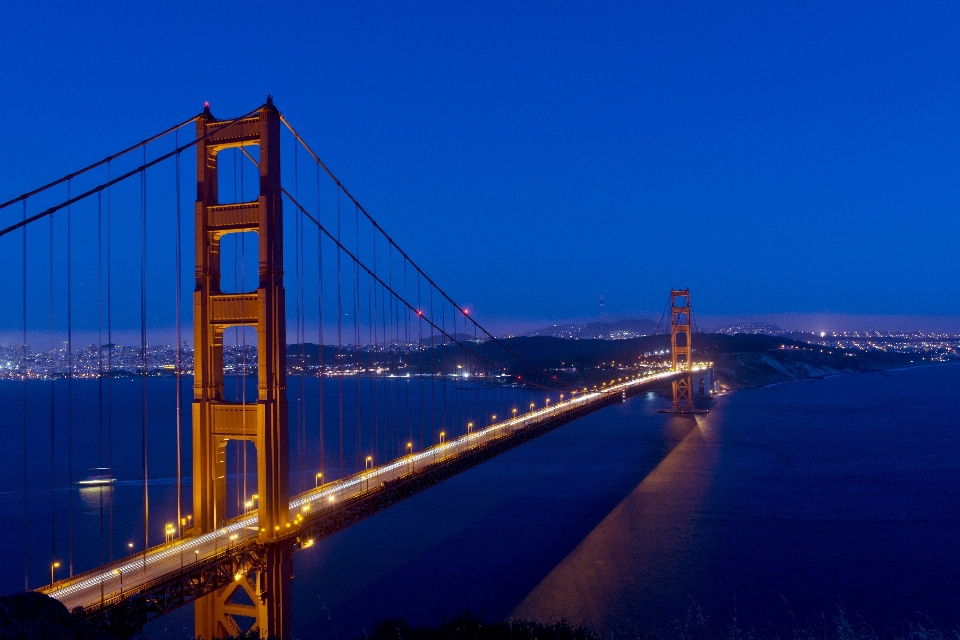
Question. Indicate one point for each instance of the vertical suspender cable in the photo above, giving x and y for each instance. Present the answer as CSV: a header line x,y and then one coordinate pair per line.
x,y
109,364
51,372
425,442
297,224
143,360
443,362
356,342
179,352
339,336
406,342
100,357
69,392
375,384
302,330
23,373
394,430
320,371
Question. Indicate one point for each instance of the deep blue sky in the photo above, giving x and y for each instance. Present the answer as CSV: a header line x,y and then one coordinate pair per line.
x,y
777,158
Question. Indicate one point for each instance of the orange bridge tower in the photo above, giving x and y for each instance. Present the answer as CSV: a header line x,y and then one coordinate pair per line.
x,y
262,590
681,352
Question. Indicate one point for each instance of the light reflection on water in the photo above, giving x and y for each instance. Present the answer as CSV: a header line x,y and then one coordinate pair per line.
x,y
640,547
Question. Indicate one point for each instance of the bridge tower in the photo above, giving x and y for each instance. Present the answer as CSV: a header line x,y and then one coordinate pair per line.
x,y
681,350
264,592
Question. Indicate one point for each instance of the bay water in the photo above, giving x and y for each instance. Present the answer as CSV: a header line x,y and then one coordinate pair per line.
x,y
780,504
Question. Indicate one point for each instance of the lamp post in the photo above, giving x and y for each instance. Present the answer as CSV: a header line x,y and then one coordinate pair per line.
x,y
410,453
469,427
53,567
130,546
318,478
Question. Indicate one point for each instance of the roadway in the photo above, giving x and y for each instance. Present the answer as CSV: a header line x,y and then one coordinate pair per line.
x,y
128,575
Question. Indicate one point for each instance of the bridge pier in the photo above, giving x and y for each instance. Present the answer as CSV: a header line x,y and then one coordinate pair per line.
x,y
257,600
263,592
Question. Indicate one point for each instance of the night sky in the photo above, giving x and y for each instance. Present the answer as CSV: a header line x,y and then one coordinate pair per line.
x,y
786,161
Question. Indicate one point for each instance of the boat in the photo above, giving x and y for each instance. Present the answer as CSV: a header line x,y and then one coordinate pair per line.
x,y
99,476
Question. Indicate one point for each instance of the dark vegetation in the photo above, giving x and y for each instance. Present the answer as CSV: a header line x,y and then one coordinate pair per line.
x,y
840,626
34,616
695,626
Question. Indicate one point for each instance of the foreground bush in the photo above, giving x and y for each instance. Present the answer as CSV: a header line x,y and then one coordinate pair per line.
x,y
695,626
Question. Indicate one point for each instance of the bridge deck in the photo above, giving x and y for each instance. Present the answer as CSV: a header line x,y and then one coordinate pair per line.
x,y
209,560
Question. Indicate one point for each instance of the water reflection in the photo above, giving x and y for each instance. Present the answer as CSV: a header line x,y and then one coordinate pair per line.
x,y
94,497
640,547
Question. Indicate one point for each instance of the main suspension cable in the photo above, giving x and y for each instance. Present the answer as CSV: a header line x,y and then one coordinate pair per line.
x,y
110,182
99,163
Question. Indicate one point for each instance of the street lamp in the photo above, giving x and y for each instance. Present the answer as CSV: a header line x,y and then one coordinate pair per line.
x,y
469,427
53,567
196,556
442,435
369,462
531,407
130,546
514,413
318,478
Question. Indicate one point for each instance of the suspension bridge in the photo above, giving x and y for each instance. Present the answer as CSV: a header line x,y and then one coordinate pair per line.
x,y
393,386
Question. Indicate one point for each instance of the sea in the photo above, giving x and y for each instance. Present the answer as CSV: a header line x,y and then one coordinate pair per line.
x,y
782,504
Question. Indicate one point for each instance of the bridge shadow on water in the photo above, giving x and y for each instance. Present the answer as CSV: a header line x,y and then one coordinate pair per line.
x,y
546,530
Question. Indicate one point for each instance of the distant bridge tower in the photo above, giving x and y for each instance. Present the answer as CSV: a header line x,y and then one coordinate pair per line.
x,y
265,588
681,350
